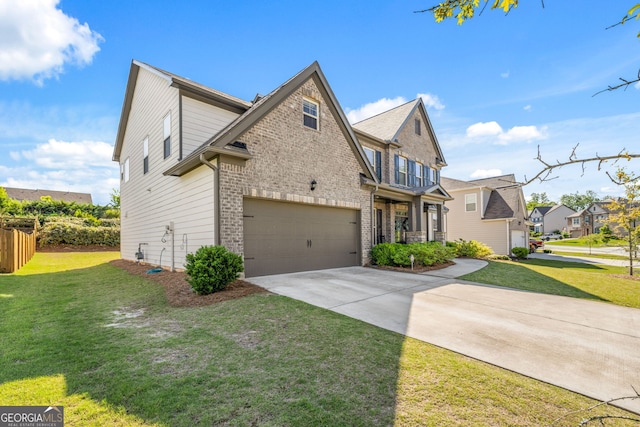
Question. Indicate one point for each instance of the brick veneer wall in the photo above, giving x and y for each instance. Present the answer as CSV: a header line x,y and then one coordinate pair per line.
x,y
287,156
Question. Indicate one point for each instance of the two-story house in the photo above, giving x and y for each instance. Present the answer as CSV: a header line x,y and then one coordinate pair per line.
x,y
282,180
404,152
547,219
589,220
490,210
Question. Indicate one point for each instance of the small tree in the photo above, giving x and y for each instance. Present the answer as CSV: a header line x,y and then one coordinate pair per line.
x,y
592,240
624,216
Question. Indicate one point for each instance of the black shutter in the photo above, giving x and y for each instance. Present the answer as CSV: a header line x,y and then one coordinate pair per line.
x,y
379,165
411,174
396,162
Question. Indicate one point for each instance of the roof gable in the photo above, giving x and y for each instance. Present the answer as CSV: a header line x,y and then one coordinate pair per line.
x,y
186,87
389,124
224,140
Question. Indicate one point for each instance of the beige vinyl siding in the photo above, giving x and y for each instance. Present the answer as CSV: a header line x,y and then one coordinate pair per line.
x,y
201,121
149,202
470,226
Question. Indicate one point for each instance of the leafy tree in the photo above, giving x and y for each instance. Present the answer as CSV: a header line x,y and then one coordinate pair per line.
x,y
577,201
539,199
115,199
624,214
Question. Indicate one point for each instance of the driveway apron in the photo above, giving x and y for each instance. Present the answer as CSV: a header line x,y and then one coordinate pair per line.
x,y
588,347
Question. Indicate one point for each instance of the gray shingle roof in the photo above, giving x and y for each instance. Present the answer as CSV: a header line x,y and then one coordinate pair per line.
x,y
23,194
386,125
502,203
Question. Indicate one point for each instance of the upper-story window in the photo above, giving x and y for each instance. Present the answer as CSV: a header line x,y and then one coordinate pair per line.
x,y
310,111
375,158
427,176
576,221
470,202
145,155
419,181
402,171
124,171
417,126
166,130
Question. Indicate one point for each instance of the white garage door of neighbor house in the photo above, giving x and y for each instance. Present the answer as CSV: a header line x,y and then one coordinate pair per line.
x,y
284,237
518,239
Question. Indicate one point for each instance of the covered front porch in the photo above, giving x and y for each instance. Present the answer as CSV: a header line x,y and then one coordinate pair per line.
x,y
408,215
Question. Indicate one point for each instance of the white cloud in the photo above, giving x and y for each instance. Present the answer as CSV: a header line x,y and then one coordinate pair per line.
x,y
484,129
527,107
431,101
84,166
373,108
505,75
637,85
493,131
37,39
380,106
485,173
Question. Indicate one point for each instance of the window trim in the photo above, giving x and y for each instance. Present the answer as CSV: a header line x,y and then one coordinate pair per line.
x,y
402,160
166,133
126,175
145,155
468,204
310,114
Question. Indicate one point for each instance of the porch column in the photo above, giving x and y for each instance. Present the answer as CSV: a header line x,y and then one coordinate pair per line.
x,y
417,222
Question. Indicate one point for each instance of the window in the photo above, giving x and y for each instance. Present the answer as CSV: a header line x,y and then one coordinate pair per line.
x,y
427,175
470,202
576,221
402,171
417,125
145,155
375,158
167,135
419,182
125,170
436,176
310,113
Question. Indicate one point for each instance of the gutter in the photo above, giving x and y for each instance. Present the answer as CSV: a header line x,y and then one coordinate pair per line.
x,y
216,196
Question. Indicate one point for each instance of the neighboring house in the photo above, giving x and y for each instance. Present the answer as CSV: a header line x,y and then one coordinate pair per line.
x,y
589,220
404,152
23,194
281,180
547,219
492,211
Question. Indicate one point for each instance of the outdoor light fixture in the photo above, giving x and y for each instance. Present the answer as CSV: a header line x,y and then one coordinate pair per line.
x,y
313,185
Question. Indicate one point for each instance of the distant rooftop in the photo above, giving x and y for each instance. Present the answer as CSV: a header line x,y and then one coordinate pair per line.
x,y
23,194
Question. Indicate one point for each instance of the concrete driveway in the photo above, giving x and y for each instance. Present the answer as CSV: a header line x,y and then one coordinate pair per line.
x,y
592,348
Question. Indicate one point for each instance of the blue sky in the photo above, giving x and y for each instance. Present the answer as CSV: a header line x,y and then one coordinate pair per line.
x,y
496,87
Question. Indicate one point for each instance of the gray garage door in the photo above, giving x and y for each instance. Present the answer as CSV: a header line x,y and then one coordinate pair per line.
x,y
287,237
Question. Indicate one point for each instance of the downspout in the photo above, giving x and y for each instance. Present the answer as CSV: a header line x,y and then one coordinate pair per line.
x,y
216,196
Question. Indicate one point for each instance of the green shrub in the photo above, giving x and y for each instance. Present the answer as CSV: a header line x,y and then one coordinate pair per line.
x,y
520,252
472,249
547,251
212,268
399,255
77,232
499,257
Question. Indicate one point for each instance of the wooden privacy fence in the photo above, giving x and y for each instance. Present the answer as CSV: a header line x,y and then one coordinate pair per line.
x,y
16,249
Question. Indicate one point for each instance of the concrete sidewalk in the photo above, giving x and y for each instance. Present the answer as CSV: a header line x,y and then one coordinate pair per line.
x,y
584,346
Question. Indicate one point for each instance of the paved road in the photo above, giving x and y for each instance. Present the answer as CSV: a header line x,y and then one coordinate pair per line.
x,y
611,250
588,347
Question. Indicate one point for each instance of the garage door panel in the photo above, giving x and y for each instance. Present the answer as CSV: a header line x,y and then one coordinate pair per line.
x,y
288,237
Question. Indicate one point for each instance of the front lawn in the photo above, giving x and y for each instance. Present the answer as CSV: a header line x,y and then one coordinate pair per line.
x,y
585,244
78,332
580,280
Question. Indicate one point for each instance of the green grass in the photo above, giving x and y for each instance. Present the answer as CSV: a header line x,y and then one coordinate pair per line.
x,y
582,243
572,279
78,332
592,255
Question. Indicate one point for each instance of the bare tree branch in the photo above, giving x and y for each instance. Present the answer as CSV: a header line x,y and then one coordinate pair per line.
x,y
545,173
601,418
625,83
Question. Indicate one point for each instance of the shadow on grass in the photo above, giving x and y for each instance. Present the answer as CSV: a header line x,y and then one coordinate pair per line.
x,y
567,262
111,340
518,276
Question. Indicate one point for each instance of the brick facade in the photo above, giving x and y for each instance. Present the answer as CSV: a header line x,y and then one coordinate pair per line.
x,y
287,156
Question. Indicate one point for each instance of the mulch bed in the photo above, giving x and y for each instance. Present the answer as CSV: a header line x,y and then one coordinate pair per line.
x,y
179,292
